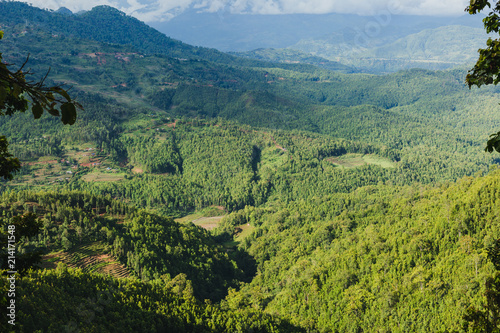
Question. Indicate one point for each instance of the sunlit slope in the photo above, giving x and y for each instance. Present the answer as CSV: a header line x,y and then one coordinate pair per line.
x,y
379,258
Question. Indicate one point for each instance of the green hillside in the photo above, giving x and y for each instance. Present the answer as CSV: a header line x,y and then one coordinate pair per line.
x,y
199,191
74,221
377,259
320,101
294,57
109,25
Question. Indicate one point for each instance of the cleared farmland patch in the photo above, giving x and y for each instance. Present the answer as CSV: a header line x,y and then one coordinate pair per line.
x,y
357,160
208,218
208,223
88,257
103,177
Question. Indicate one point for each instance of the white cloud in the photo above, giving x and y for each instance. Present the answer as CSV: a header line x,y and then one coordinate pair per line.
x,y
158,10
362,7
73,5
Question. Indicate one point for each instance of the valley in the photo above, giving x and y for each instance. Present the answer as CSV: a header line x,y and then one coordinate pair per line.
x,y
235,192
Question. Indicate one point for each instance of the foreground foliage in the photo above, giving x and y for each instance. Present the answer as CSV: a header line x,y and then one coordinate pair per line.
x,y
68,299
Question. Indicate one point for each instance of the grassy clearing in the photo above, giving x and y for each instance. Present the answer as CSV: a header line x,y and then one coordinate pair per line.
x,y
242,231
207,218
357,160
378,160
98,176
208,223
189,218
137,170
348,160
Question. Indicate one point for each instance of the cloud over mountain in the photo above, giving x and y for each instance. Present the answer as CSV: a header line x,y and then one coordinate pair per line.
x,y
160,10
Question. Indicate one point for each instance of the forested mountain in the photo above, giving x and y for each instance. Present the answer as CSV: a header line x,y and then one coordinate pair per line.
x,y
109,25
199,191
103,23
106,304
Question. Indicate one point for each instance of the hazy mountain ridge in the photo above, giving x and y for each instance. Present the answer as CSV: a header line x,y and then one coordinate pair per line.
x,y
291,56
453,44
238,32
439,48
398,45
372,43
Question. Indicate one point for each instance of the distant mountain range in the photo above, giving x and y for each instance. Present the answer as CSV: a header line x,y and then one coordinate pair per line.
x,y
339,42
107,24
291,56
368,43
238,32
439,48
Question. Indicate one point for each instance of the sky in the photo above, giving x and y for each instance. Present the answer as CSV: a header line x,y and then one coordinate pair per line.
x,y
161,10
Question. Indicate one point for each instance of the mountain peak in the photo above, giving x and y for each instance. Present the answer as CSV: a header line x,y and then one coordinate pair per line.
x,y
106,9
64,11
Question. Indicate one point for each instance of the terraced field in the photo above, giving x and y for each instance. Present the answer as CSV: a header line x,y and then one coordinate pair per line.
x,y
88,257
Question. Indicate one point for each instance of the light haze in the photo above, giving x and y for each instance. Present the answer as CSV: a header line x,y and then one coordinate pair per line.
x,y
162,10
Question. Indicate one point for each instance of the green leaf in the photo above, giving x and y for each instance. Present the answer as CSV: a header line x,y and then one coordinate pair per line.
x,y
493,143
17,90
53,111
68,111
50,97
37,110
62,92
3,93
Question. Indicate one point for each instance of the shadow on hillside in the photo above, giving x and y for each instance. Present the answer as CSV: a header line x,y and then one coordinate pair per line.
x,y
245,262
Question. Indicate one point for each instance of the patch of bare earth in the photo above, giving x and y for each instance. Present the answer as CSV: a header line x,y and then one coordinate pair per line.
x,y
137,170
172,124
